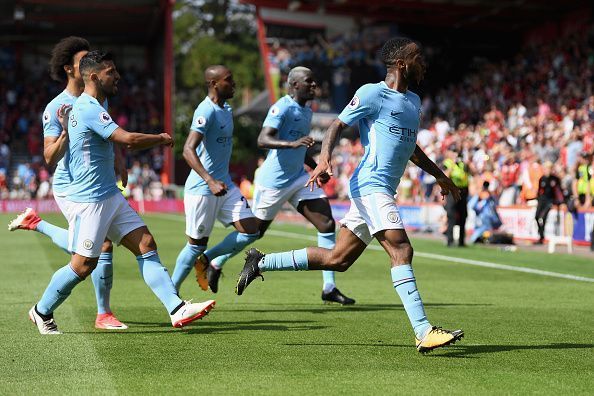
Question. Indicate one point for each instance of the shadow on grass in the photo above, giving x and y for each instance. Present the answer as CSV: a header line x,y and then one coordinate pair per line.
x,y
213,327
334,308
470,351
458,350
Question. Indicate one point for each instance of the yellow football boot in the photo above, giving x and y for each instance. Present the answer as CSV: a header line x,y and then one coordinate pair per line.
x,y
200,266
438,337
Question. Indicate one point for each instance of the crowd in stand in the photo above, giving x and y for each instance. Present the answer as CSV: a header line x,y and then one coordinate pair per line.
x,y
23,172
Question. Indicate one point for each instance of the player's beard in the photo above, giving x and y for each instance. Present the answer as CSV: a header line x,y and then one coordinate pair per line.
x,y
107,91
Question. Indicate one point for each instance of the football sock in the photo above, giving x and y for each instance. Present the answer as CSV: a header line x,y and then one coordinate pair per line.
x,y
286,261
229,247
58,289
157,278
327,240
102,277
185,262
59,236
405,284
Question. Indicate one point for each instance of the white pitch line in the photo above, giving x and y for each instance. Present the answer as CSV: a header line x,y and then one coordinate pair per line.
x,y
477,263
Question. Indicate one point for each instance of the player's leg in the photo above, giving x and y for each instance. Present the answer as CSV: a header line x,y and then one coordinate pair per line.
x,y
200,213
102,278
266,204
234,210
30,220
347,250
128,229
318,212
396,243
88,224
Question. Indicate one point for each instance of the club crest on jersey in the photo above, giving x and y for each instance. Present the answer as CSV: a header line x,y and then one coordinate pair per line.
x,y
88,244
46,117
200,121
392,217
104,117
354,103
274,110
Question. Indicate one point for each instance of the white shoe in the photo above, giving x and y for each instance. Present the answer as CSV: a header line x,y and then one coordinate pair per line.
x,y
190,312
44,326
27,220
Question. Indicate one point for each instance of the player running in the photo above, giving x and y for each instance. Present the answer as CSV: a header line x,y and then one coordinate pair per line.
x,y
94,206
64,65
209,192
388,115
282,177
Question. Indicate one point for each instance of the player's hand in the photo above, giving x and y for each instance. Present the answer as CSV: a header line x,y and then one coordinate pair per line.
x,y
306,141
63,113
448,187
322,170
217,187
167,140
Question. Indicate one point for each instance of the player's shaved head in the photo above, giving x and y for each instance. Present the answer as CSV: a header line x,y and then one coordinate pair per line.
x,y
297,73
397,48
215,73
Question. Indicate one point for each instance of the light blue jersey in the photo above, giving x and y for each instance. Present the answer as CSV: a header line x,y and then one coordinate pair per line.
x,y
53,128
388,125
91,160
283,166
215,124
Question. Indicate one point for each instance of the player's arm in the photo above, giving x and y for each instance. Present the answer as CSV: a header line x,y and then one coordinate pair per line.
x,y
120,164
217,187
420,159
140,141
323,168
54,147
268,139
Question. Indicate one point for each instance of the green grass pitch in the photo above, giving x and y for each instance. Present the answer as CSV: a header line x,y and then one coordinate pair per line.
x,y
525,333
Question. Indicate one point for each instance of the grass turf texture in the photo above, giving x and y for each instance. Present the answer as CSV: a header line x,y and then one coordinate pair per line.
x,y
525,333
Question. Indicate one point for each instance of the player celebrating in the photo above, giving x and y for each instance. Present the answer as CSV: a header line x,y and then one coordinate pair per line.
x,y
388,115
209,192
64,64
281,177
94,206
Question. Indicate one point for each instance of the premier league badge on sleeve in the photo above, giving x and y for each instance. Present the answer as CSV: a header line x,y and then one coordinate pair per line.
x,y
354,103
200,121
274,110
46,116
104,117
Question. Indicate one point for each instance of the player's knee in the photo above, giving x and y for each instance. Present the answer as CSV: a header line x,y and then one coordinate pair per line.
x,y
327,225
84,269
107,247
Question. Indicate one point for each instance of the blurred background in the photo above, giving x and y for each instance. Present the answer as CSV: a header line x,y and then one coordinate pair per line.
x,y
508,90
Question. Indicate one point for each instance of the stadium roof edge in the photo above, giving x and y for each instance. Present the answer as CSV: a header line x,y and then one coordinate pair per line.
x,y
495,15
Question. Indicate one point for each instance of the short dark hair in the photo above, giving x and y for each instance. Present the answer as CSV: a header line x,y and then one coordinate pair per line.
x,y
395,49
63,54
93,61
